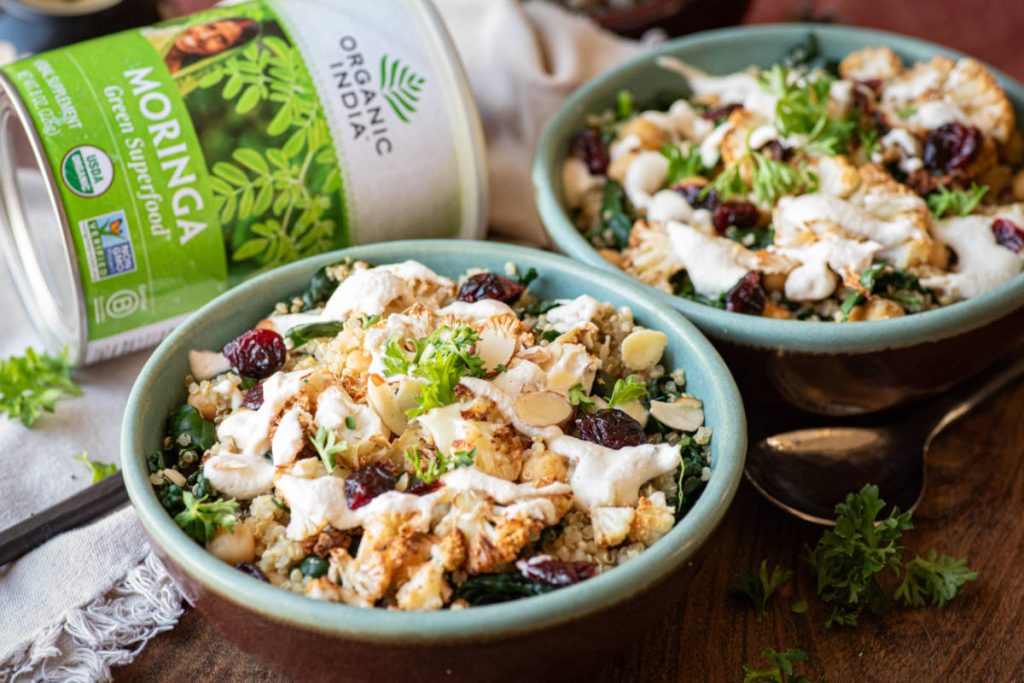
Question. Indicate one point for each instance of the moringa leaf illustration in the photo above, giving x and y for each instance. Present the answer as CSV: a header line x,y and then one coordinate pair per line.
x,y
400,86
278,195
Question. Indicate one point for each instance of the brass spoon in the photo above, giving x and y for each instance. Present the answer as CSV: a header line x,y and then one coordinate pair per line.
x,y
806,472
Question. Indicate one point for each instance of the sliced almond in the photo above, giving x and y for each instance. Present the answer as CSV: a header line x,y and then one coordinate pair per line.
x,y
543,408
643,348
408,391
384,403
635,409
685,413
494,349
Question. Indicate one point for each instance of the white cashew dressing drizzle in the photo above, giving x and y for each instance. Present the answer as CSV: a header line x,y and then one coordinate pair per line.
x,y
250,462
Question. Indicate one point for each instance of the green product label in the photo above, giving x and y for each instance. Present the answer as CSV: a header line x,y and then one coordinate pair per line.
x,y
188,156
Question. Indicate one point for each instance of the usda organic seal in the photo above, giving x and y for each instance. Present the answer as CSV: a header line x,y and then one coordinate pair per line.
x,y
87,171
172,162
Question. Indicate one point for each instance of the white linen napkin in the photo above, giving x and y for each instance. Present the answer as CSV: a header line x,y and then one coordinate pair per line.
x,y
92,598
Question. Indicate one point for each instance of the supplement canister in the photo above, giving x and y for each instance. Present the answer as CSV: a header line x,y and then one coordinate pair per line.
x,y
143,173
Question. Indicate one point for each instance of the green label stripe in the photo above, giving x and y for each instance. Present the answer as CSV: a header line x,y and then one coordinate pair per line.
x,y
400,87
203,142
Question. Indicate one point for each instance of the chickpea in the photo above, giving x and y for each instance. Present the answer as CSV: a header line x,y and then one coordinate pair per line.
x,y
544,465
617,169
650,135
1018,186
234,545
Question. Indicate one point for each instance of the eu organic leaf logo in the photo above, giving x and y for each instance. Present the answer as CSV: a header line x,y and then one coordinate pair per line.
x,y
400,86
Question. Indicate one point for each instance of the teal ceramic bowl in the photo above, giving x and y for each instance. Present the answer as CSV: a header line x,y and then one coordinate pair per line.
x,y
824,368
565,632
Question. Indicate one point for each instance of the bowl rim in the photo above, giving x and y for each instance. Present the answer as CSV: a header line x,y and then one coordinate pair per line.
x,y
506,619
795,335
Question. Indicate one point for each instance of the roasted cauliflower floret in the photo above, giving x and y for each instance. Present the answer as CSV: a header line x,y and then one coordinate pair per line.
x,y
611,524
499,454
389,542
426,588
653,519
493,535
884,198
649,256
870,64
543,464
943,89
837,176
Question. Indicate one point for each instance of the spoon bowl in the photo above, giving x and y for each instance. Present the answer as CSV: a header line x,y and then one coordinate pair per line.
x,y
806,472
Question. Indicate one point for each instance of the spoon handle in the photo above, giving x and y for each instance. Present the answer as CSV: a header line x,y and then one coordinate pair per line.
x,y
979,390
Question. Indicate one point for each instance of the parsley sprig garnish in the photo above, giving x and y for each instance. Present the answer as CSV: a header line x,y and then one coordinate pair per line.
x,y
802,110
442,359
886,280
33,383
436,463
955,202
850,559
680,165
780,669
578,397
98,470
770,179
200,519
627,390
327,447
759,587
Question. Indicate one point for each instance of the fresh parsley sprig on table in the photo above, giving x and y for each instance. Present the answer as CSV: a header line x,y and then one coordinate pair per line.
x,y
32,383
759,587
442,359
200,519
98,470
933,580
956,202
850,559
780,670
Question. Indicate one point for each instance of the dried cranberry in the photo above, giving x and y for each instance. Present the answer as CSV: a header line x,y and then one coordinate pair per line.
x,y
257,353
747,295
951,146
367,483
253,398
252,570
588,147
546,569
491,286
610,428
1008,234
773,149
738,213
692,194
874,84
720,112
418,487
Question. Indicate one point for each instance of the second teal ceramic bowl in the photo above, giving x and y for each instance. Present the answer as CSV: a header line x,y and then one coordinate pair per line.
x,y
825,368
564,633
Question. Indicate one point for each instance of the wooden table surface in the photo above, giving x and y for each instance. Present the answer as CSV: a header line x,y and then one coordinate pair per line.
x,y
974,506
